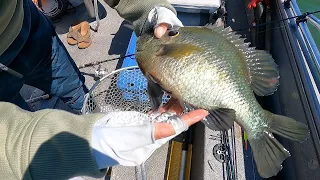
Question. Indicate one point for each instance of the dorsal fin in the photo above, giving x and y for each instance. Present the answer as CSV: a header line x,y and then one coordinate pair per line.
x,y
264,74
214,27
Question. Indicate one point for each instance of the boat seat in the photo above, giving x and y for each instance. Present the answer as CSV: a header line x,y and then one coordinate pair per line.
x,y
198,6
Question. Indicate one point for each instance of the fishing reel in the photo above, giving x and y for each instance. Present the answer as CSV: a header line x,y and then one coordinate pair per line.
x,y
220,153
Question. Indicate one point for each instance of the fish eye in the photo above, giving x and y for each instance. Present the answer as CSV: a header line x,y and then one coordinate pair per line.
x,y
173,33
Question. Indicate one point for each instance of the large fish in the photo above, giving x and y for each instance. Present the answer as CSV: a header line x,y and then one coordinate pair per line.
x,y
212,68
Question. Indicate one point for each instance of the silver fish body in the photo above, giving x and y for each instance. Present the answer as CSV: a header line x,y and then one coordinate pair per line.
x,y
213,69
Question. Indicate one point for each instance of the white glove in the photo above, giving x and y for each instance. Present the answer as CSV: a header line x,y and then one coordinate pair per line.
x,y
127,137
159,15
162,19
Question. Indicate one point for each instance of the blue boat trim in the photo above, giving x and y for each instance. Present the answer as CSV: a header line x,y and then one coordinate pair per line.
x,y
131,61
305,30
314,21
309,52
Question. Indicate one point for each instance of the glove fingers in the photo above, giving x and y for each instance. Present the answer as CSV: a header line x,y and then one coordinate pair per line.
x,y
160,30
194,116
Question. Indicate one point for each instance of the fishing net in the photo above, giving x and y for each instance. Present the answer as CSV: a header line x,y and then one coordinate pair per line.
x,y
122,90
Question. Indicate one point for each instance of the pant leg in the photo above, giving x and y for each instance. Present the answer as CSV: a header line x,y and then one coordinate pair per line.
x,y
39,55
10,85
9,90
58,75
54,71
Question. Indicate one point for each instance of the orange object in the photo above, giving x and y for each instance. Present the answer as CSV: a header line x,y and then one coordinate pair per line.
x,y
84,40
254,3
73,34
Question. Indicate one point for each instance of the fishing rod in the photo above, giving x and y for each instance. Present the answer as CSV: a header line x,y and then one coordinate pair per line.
x,y
106,60
299,18
9,70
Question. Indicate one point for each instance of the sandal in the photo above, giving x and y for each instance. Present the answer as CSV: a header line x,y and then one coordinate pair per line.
x,y
84,41
74,34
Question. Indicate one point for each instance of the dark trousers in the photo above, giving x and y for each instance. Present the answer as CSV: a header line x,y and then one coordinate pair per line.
x,y
39,55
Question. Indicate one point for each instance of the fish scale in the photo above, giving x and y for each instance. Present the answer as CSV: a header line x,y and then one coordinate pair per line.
x,y
212,68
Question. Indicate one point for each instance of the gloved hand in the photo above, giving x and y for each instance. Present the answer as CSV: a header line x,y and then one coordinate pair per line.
x,y
160,14
129,138
162,19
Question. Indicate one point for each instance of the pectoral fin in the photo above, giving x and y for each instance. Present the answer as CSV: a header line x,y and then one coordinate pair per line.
x,y
155,94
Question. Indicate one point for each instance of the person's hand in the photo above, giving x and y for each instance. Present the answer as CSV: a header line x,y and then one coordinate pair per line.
x,y
163,130
129,138
43,3
35,2
163,19
160,30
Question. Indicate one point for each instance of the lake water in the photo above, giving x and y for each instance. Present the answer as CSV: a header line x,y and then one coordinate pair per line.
x,y
311,5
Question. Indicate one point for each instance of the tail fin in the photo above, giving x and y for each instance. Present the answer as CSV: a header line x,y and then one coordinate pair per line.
x,y
268,152
288,128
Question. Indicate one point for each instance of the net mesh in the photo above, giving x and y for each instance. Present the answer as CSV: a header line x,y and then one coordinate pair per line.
x,y
122,90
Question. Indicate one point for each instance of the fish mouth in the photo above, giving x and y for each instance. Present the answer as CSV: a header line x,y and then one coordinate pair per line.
x,y
140,48
142,44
